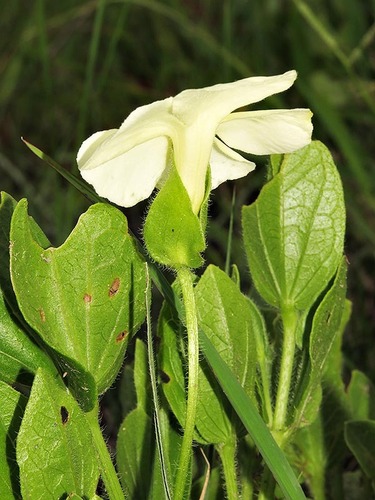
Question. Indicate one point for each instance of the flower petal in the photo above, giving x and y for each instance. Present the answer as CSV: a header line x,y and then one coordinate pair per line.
x,y
227,164
216,102
267,132
91,145
130,177
144,123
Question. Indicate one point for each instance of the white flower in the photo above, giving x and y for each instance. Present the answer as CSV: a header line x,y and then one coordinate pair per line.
x,y
196,128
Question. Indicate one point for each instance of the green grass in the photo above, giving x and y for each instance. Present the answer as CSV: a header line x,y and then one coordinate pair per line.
x,y
71,68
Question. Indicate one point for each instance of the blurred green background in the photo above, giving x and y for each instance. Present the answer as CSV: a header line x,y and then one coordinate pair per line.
x,y
71,68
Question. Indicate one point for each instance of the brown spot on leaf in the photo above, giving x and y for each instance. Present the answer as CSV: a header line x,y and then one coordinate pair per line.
x,y
114,287
87,298
42,315
164,377
120,337
64,415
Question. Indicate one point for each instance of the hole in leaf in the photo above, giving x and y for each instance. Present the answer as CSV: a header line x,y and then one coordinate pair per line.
x,y
120,337
164,377
64,415
114,287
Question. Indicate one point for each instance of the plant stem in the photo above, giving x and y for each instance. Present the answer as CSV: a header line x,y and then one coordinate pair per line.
x,y
227,454
186,280
290,320
107,469
289,317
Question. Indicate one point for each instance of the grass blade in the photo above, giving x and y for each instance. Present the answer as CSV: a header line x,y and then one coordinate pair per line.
x,y
245,409
72,179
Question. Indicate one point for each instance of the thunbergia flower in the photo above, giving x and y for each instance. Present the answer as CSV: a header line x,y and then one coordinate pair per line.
x,y
195,129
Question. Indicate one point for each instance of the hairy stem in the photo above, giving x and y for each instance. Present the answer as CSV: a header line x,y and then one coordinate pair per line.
x,y
107,469
289,317
183,473
227,454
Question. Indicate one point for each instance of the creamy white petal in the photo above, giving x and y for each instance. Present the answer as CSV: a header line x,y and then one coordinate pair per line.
x,y
216,102
90,146
226,164
267,132
144,123
130,177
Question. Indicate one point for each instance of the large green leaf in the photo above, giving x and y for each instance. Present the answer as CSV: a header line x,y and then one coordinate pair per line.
x,y
232,323
55,452
85,298
12,406
294,231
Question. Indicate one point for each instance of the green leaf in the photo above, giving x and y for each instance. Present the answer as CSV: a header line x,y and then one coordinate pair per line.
x,y
327,320
7,207
361,396
232,322
136,454
360,438
54,446
142,377
274,166
294,231
171,363
326,326
85,298
20,357
12,407
172,232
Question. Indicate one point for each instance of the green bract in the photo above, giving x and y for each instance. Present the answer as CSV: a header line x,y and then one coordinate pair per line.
x,y
173,234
